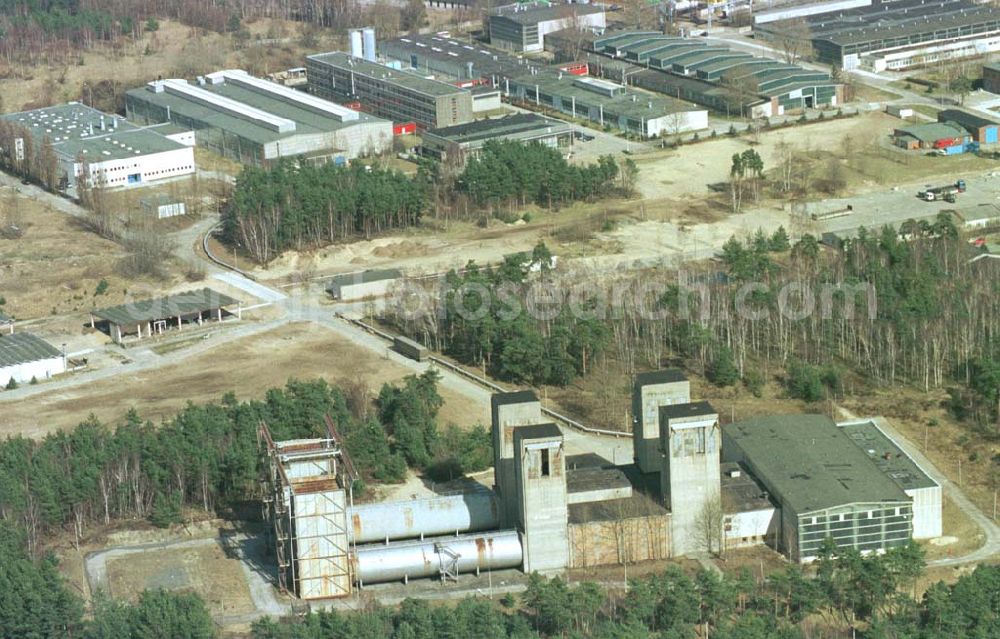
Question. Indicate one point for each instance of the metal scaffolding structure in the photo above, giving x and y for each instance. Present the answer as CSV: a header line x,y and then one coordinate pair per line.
x,y
307,493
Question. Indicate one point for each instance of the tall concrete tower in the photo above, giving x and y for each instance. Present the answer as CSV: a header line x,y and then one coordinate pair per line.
x,y
651,391
542,505
690,478
520,408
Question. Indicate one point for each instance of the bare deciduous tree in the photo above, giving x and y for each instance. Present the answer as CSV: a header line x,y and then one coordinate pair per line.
x,y
795,40
709,527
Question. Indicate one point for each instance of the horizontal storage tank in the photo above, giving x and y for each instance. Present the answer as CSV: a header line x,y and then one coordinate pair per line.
x,y
386,521
433,557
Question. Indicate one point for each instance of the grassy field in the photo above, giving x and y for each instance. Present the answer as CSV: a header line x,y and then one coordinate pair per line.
x,y
301,351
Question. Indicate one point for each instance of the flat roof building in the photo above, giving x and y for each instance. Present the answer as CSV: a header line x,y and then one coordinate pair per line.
x,y
453,59
25,357
522,26
607,103
107,149
146,317
991,77
363,284
825,485
256,121
898,34
464,141
982,130
389,93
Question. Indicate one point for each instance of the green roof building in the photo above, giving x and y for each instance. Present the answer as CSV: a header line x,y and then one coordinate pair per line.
x,y
825,484
25,357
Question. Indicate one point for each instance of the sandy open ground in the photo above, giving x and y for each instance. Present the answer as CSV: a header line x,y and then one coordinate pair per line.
x,y
247,366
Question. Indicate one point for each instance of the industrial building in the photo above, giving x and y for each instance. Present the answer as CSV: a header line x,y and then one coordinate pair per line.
x,y
712,74
983,130
792,11
522,26
256,121
389,93
100,149
898,34
607,103
465,141
25,357
947,137
901,469
362,284
991,77
144,318
789,481
824,485
453,60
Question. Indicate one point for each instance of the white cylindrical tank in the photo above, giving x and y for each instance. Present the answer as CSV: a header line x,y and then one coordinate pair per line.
x,y
470,512
357,48
430,558
369,38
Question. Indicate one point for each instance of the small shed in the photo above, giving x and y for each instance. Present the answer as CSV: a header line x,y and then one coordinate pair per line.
x,y
899,111
362,284
947,136
6,324
146,317
978,217
982,130
24,356
163,206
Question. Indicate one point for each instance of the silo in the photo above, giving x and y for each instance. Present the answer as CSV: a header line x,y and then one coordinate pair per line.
x,y
357,50
369,36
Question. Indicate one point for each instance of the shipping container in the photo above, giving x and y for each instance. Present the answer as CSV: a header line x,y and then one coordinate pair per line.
x,y
411,349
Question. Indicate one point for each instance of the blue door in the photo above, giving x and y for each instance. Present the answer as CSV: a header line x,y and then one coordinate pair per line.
x,y
991,135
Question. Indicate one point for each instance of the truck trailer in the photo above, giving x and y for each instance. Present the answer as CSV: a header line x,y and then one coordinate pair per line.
x,y
946,193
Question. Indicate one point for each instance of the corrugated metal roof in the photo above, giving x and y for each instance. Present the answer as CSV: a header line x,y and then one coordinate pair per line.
x,y
21,348
171,306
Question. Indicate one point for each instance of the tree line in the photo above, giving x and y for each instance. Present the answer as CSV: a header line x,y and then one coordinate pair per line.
x,y
292,206
207,457
507,171
844,595
39,161
482,321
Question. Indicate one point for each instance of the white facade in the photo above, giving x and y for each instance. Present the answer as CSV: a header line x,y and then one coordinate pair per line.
x,y
750,528
360,290
135,171
674,123
803,10
927,523
39,370
921,55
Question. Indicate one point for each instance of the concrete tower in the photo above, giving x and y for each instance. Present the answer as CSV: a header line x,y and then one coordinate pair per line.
x,y
520,408
690,478
542,510
651,391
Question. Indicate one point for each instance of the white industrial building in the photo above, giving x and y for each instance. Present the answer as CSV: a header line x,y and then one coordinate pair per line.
x,y
362,285
256,121
109,150
24,357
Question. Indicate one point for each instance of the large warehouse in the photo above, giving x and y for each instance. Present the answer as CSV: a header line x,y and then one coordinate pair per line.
x,y
396,95
824,484
255,121
109,150
898,34
607,103
453,59
522,26
462,142
24,357
712,74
